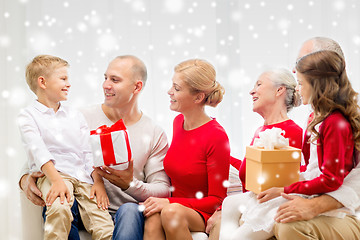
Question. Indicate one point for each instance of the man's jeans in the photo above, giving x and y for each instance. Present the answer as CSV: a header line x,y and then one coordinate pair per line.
x,y
128,221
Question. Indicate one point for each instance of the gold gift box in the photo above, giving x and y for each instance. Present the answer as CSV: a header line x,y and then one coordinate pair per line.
x,y
271,168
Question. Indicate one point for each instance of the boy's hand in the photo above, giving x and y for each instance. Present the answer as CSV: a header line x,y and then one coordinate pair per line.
x,y
120,178
58,189
102,199
270,194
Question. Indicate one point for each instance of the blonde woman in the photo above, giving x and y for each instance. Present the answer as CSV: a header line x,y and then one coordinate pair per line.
x,y
197,161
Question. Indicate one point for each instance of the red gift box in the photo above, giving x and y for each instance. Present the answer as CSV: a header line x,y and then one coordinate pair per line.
x,y
110,145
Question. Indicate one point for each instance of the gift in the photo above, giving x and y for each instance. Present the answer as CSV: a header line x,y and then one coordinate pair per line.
x,y
270,162
110,145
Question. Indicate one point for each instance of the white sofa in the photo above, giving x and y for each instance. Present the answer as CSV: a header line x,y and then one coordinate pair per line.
x,y
32,222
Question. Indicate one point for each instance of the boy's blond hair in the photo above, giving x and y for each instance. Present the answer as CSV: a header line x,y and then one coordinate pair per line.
x,y
42,65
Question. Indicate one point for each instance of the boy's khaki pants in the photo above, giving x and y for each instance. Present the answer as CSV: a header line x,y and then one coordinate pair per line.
x,y
59,217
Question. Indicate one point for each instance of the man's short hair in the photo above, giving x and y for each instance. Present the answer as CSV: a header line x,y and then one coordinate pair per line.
x,y
138,68
323,43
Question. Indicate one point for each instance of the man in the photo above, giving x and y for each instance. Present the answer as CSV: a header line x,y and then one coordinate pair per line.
x,y
125,77
300,218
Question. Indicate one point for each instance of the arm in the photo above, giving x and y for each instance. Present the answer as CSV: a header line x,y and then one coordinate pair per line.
x,y
86,147
157,183
349,193
299,209
58,187
27,183
98,190
335,161
236,163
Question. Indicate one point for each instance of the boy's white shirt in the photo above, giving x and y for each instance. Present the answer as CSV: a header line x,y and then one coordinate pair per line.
x,y
61,137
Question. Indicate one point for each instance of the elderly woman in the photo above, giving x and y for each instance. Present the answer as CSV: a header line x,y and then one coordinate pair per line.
x,y
197,161
274,95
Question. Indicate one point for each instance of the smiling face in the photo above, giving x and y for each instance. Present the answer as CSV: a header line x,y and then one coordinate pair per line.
x,y
119,84
181,98
57,85
304,88
263,93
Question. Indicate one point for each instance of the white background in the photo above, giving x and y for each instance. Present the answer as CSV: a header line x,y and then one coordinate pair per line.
x,y
240,38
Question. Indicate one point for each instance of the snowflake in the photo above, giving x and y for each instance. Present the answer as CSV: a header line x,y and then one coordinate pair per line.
x,y
261,180
242,208
295,155
199,195
82,27
141,208
5,94
174,6
356,40
226,184
339,5
107,42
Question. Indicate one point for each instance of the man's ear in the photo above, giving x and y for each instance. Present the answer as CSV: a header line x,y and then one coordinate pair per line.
x,y
41,82
280,90
199,97
138,85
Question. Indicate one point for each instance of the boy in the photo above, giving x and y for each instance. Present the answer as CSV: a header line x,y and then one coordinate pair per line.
x,y
56,142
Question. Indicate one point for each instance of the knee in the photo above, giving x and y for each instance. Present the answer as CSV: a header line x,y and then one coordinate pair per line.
x,y
128,209
128,220
172,216
59,208
284,230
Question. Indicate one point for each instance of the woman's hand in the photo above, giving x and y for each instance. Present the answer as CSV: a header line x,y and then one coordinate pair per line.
x,y
214,219
153,205
270,194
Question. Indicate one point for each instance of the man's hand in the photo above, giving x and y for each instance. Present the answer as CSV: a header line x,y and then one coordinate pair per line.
x,y
270,194
28,185
120,178
212,221
297,209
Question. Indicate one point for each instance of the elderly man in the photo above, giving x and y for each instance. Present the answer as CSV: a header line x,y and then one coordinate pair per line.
x,y
300,218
